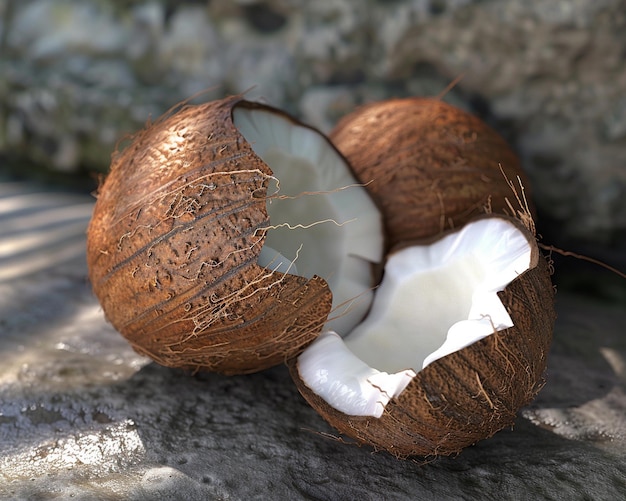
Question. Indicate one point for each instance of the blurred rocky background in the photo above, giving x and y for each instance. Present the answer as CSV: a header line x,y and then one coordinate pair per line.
x,y
550,75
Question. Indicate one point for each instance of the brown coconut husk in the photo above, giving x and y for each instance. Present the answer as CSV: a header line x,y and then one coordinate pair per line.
x,y
173,244
428,165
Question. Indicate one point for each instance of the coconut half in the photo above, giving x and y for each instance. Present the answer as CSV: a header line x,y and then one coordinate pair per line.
x,y
224,236
455,343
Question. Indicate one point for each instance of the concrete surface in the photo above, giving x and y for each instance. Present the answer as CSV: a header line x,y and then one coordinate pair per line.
x,y
84,417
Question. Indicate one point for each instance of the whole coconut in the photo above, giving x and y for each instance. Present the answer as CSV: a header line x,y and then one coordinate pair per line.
x,y
428,165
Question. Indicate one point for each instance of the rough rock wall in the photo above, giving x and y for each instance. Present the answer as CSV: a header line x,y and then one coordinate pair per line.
x,y
550,75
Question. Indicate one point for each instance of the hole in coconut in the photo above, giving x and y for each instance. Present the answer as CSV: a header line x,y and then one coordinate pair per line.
x,y
434,300
322,222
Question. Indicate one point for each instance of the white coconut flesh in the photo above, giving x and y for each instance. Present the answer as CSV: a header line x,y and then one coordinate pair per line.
x,y
322,221
433,300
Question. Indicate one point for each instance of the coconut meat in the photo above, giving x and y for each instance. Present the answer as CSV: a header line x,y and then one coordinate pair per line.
x,y
322,221
434,300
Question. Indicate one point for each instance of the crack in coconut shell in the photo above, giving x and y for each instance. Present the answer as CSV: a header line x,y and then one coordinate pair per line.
x,y
428,165
173,245
319,213
467,395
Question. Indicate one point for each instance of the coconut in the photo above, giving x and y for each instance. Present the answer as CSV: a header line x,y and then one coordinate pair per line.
x,y
227,235
454,345
428,165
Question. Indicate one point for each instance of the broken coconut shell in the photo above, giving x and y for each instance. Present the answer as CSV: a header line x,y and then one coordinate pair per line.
x,y
174,242
428,165
469,394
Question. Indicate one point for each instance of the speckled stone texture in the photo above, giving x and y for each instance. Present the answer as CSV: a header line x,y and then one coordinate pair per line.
x,y
549,75
84,417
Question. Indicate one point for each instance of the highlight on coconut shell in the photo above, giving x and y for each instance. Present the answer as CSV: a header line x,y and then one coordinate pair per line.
x,y
176,247
429,165
456,342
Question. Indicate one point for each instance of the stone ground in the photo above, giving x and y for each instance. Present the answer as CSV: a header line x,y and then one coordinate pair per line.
x,y
84,417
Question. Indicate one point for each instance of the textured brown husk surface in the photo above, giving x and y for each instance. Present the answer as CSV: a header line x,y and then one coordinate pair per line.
x,y
428,165
470,394
173,244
